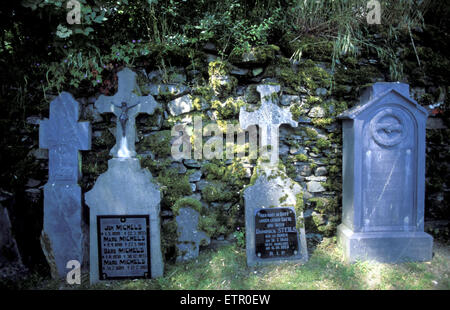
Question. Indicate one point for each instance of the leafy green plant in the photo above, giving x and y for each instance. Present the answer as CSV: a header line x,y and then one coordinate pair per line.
x,y
239,234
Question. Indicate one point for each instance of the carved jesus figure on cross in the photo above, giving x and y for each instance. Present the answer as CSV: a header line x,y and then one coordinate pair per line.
x,y
126,105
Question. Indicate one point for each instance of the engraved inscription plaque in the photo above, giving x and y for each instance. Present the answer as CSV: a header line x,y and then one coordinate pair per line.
x,y
124,246
275,233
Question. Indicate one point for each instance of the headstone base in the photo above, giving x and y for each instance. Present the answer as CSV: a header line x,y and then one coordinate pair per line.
x,y
385,247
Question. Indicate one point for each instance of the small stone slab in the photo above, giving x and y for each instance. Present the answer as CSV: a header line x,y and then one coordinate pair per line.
x,y
189,236
180,105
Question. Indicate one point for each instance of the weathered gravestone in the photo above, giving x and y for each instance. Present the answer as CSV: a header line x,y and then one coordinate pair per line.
x,y
124,202
384,177
273,220
190,237
63,235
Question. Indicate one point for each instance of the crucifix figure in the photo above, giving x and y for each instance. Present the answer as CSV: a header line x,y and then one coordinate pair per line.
x,y
269,117
123,118
126,105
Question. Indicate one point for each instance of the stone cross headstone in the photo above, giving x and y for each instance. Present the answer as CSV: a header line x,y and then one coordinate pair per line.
x,y
62,236
125,202
269,117
384,177
274,226
126,105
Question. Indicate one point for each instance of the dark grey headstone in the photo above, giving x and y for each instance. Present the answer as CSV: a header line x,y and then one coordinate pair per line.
x,y
63,237
64,136
9,253
384,177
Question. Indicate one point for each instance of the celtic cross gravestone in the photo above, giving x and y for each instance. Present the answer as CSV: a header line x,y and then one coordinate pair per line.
x,y
274,226
269,117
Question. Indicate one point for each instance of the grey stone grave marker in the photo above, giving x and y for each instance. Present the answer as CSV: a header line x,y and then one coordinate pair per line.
x,y
384,177
125,202
274,228
63,237
189,236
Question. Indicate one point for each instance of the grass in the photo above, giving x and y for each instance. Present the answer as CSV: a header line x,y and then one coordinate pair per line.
x,y
344,24
225,269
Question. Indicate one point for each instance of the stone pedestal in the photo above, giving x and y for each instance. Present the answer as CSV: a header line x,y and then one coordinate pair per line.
x,y
64,235
385,247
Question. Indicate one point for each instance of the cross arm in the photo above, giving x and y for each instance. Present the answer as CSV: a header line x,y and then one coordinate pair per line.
x,y
287,118
246,119
105,104
146,104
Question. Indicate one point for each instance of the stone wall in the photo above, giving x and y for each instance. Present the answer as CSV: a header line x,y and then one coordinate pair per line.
x,y
216,89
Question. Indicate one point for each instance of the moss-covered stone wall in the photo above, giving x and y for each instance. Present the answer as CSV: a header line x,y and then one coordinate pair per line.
x,y
215,89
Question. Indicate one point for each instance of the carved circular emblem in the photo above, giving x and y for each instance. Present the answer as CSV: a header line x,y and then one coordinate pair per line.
x,y
388,127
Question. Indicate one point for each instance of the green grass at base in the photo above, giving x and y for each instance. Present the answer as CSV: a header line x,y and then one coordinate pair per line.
x,y
226,269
